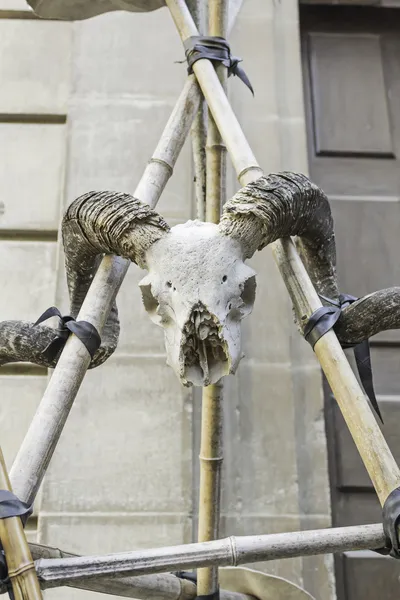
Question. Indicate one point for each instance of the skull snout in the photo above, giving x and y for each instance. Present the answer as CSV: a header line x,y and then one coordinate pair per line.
x,y
204,354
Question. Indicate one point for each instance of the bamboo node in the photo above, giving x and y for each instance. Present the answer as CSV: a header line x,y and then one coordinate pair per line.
x,y
162,162
213,459
21,569
246,170
234,554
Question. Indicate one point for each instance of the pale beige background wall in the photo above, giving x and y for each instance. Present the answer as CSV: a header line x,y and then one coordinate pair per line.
x,y
81,107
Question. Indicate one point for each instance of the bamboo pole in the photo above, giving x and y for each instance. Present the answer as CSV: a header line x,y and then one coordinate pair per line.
x,y
198,131
211,450
371,444
211,457
43,434
231,551
164,586
21,569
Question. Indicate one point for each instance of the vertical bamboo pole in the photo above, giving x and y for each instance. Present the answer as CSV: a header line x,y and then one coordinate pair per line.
x,y
370,442
21,569
211,449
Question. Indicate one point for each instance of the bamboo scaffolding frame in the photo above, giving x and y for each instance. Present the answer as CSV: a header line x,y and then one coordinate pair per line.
x,y
46,427
21,569
231,551
371,444
212,430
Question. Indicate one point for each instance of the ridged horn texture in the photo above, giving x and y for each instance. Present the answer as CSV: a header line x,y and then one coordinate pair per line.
x,y
289,204
95,224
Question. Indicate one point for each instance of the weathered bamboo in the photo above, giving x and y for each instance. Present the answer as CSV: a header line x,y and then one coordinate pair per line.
x,y
198,131
216,149
211,457
21,569
211,450
231,551
240,152
43,434
164,586
371,444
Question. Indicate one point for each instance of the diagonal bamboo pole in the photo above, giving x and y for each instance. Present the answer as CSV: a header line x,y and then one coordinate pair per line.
x,y
211,449
164,586
198,131
231,551
21,569
371,444
44,432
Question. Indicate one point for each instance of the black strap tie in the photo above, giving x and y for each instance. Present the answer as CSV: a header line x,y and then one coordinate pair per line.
x,y
85,331
216,49
10,506
391,522
322,321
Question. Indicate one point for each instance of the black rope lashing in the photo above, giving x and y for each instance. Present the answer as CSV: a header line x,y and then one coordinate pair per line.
x,y
322,321
216,49
11,506
84,331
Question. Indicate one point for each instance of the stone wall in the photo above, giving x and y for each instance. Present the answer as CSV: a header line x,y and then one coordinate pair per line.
x,y
81,108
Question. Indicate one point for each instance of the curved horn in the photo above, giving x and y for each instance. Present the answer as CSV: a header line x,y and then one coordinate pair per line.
x,y
282,205
289,204
95,224
369,315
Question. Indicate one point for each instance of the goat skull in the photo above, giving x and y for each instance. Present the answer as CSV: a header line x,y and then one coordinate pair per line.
x,y
198,289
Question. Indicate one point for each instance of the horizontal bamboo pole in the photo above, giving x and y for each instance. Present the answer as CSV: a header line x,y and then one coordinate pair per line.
x,y
43,434
231,551
371,444
164,586
21,569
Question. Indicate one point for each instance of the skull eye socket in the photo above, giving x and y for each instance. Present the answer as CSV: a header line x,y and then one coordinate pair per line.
x,y
248,294
246,302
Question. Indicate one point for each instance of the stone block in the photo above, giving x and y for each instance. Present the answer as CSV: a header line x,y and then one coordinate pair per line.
x,y
105,533
31,175
35,66
121,129
20,397
141,53
28,270
127,444
258,477
14,5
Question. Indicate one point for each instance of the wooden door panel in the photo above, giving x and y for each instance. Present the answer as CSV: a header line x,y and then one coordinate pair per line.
x,y
350,471
370,576
341,94
351,67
